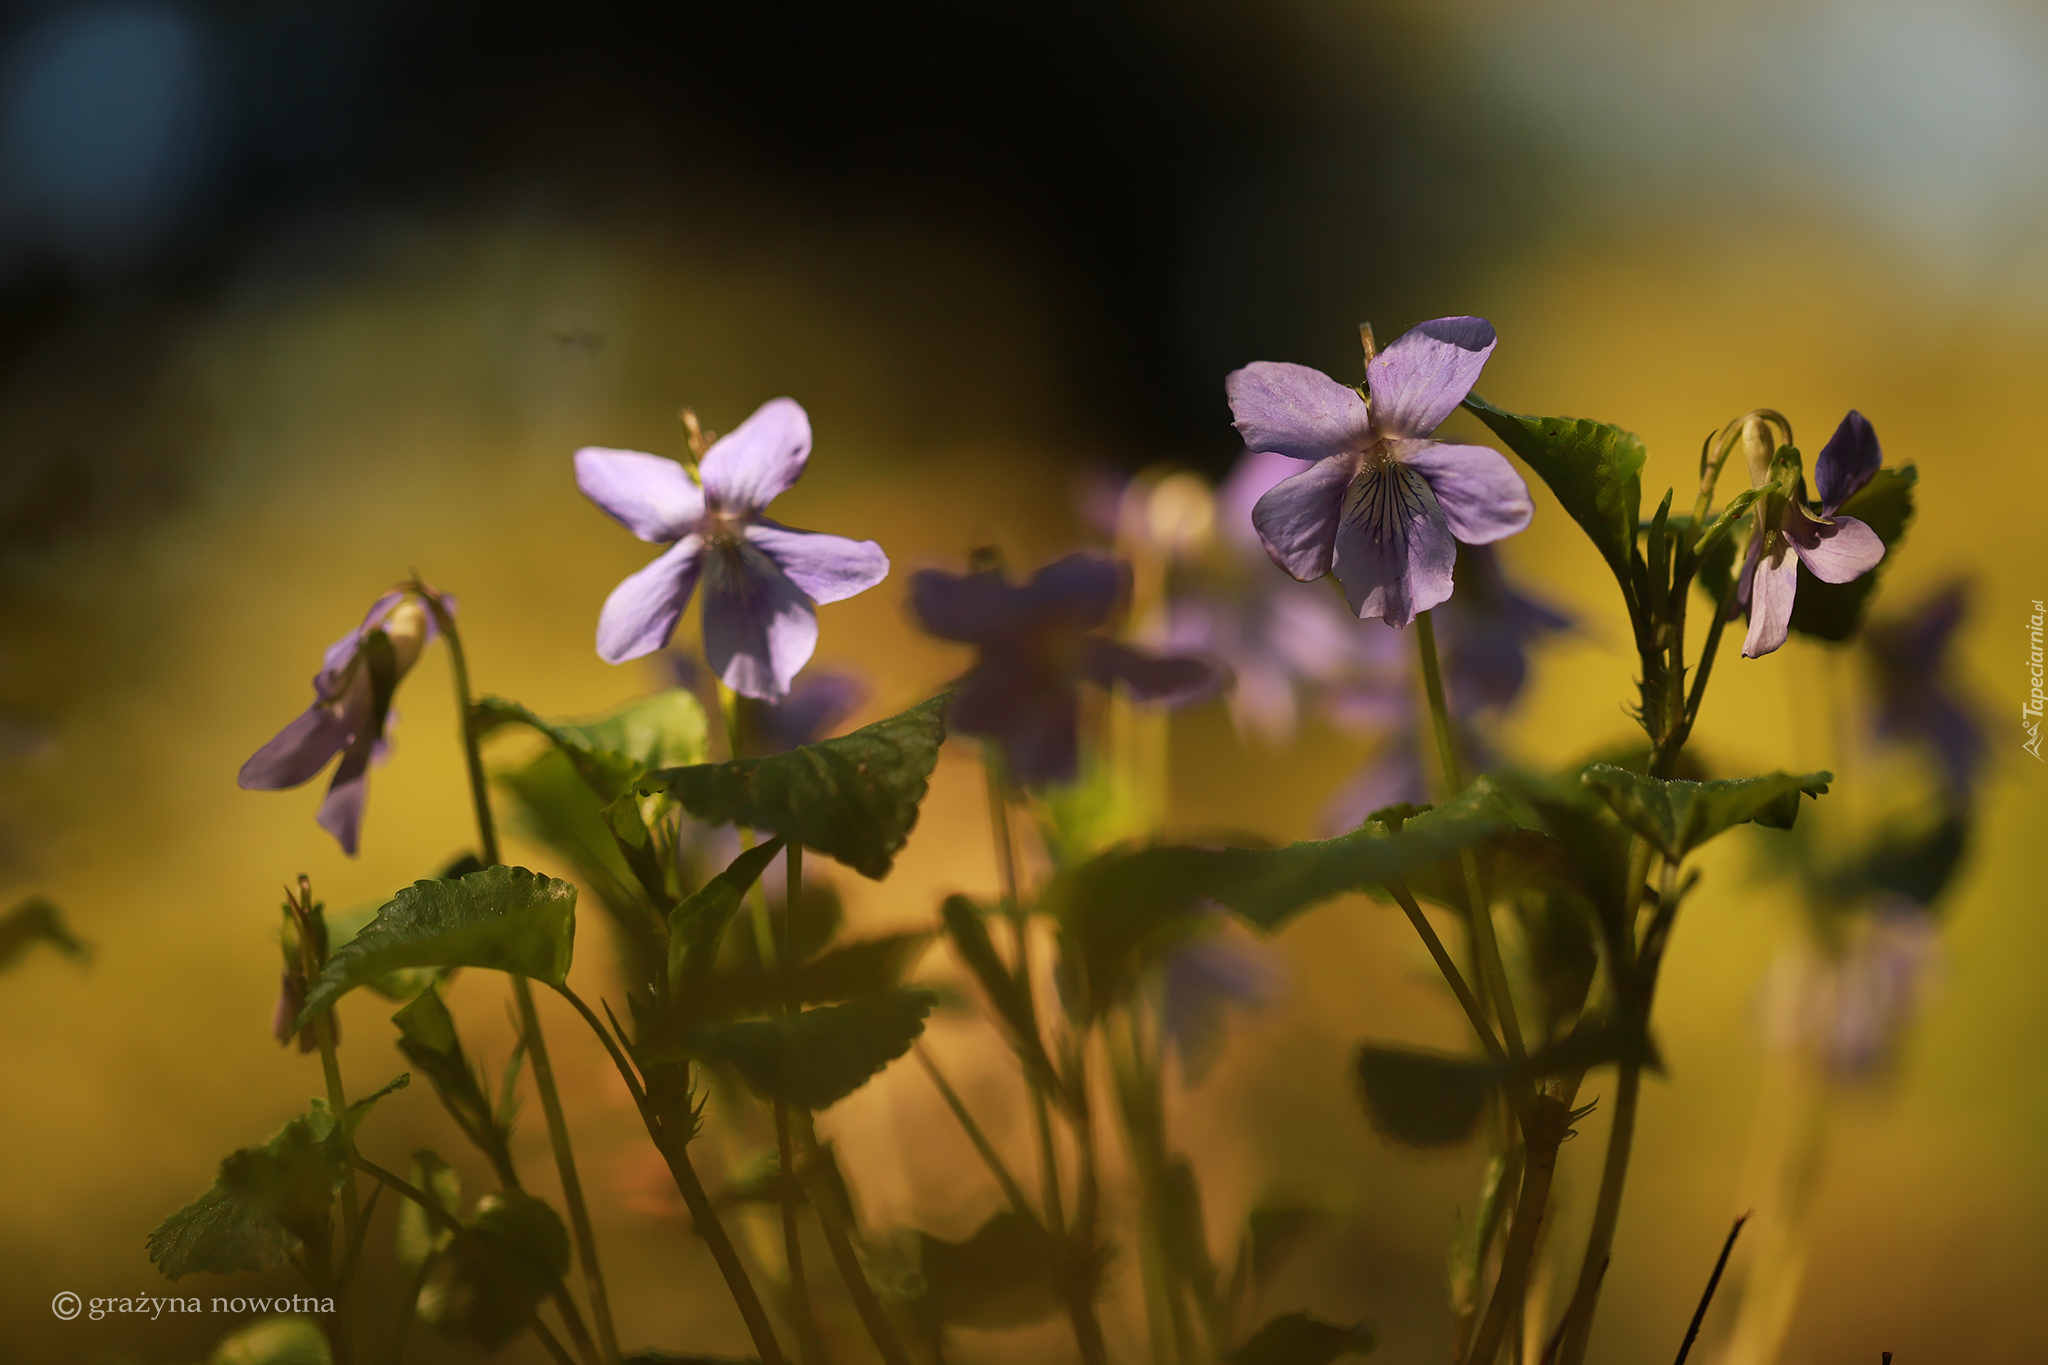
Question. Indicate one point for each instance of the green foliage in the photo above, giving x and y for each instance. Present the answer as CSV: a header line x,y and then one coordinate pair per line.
x,y
1595,470
504,918
663,730
32,921
278,1340
1677,816
850,971
967,929
854,798
419,1236
697,924
1422,1099
1005,1275
812,1059
1298,1339
219,1234
428,1039
485,1287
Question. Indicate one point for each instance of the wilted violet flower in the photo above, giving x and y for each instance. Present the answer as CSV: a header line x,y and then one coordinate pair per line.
x,y
762,580
1024,690
1834,549
1915,697
350,712
1380,504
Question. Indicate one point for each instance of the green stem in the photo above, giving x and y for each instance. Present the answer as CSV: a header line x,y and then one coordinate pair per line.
x,y
1494,977
1006,867
529,1019
839,1240
989,1156
351,1212
1082,1271
1406,900
1542,1136
810,1346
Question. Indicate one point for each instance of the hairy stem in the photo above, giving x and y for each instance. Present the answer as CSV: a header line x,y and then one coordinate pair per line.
x,y
989,1156
351,1212
1456,979
839,1240
810,1346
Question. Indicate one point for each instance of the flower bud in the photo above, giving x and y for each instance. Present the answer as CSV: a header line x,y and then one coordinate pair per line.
x,y
1759,443
406,627
1181,514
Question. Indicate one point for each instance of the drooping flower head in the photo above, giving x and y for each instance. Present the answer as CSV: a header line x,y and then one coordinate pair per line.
x,y
762,580
1916,696
1035,649
351,711
1381,504
1834,549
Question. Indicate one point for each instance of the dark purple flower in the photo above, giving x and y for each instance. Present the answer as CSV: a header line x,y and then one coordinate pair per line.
x,y
1834,549
1218,966
351,712
1916,699
1024,690
762,580
819,700
1486,633
1380,504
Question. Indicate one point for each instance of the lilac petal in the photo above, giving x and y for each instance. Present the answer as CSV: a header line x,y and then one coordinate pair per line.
x,y
1770,605
1033,718
757,461
1420,379
759,628
1147,677
815,706
1833,551
1295,411
1297,518
1394,553
1255,473
341,814
1080,589
298,752
967,608
1846,462
1748,576
827,568
1482,496
642,612
654,498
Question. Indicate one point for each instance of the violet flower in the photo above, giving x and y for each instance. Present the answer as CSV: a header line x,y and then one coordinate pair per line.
x,y
1915,697
351,712
762,580
1024,690
1380,504
818,702
1854,1003
1834,549
1218,966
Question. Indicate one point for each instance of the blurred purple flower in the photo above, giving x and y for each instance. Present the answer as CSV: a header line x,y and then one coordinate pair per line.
x,y
1218,967
1024,690
1834,549
1486,632
762,580
1916,699
1403,770
351,712
1380,503
1852,1005
818,701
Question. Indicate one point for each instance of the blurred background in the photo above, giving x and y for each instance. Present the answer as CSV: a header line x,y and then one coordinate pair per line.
x,y
298,296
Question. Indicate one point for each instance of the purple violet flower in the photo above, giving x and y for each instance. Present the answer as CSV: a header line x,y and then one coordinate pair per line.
x,y
762,580
1381,505
818,702
351,712
1024,690
1834,549
1853,1004
1216,967
1915,697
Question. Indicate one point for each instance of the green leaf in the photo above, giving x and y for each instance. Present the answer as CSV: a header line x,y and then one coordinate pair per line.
x,y
698,923
274,1341
663,730
848,972
854,798
966,927
636,846
1298,1339
505,918
36,920
428,1039
813,1059
1834,611
419,1236
219,1234
1677,816
1005,1275
1423,1099
486,1286
1595,470
358,1110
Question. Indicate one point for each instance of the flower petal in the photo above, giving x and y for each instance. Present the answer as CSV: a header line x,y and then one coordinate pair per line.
x,y
1846,462
1081,589
654,498
1034,717
1297,518
1770,598
642,612
1748,577
1420,379
757,461
1295,411
759,628
298,752
968,608
1482,497
341,813
1394,552
1833,551
828,568
1147,677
